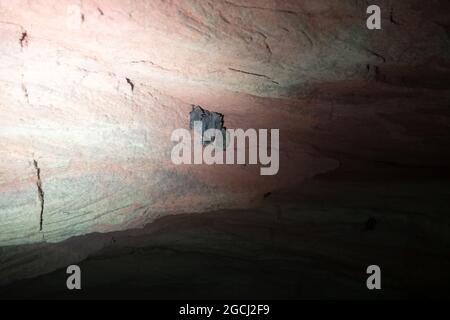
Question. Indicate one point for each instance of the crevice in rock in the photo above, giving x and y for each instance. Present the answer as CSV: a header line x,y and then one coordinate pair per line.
x,y
308,37
23,44
362,47
376,54
40,193
24,39
13,24
391,17
82,16
154,65
261,8
197,25
131,84
224,18
269,50
25,91
254,74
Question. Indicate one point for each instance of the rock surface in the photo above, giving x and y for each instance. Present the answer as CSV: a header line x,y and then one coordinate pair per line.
x,y
90,92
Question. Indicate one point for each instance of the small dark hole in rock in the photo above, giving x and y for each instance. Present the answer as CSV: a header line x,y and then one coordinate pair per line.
x,y
268,194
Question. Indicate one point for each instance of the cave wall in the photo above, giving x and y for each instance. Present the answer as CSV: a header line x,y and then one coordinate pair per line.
x,y
90,92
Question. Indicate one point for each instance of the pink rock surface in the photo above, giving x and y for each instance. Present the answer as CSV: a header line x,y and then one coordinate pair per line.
x,y
92,90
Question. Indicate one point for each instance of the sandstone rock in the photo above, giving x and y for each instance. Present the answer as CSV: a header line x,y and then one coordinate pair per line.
x,y
90,92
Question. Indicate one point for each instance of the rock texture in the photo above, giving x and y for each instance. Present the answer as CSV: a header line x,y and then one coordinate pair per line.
x,y
312,244
90,92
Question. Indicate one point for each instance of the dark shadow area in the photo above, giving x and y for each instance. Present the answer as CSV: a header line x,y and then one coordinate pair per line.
x,y
314,243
